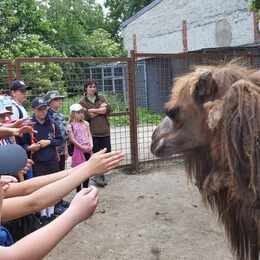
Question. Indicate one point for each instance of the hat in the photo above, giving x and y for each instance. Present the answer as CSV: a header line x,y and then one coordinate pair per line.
x,y
53,94
9,166
39,102
7,101
75,108
18,85
3,105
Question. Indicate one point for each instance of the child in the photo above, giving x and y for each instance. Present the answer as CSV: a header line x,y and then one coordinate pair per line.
x,y
80,136
43,147
55,101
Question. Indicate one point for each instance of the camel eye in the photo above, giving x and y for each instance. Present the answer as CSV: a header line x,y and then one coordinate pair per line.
x,y
173,113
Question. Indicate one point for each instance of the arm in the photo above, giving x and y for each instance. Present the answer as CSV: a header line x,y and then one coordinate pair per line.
x,y
39,243
6,132
104,109
56,141
48,195
72,137
31,185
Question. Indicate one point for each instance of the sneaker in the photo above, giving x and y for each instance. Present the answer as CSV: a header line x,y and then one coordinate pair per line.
x,y
98,181
65,203
44,220
59,209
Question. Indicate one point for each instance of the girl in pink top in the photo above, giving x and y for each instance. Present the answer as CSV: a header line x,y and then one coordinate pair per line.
x,y
80,135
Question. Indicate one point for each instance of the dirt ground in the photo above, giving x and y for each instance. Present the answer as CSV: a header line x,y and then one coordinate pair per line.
x,y
153,216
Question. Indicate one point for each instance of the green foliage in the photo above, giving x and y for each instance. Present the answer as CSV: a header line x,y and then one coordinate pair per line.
x,y
78,27
40,76
21,17
101,44
255,5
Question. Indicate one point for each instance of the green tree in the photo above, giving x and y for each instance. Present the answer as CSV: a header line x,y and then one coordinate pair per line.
x,y
21,17
40,76
72,21
255,5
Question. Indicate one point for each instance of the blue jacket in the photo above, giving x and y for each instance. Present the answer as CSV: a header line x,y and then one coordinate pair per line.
x,y
47,131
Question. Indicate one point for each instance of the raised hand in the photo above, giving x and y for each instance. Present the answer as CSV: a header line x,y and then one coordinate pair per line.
x,y
102,162
83,204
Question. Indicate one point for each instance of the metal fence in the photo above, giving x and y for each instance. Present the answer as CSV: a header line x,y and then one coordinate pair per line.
x,y
137,88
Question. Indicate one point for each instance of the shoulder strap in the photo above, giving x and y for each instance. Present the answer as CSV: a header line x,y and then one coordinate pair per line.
x,y
19,111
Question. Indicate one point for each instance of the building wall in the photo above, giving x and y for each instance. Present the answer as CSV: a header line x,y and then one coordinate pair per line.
x,y
210,24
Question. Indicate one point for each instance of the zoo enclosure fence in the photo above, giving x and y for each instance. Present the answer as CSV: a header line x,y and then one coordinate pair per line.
x,y
137,86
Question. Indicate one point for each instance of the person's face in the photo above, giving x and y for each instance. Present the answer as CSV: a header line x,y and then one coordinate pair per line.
x,y
79,115
56,104
91,90
40,113
19,95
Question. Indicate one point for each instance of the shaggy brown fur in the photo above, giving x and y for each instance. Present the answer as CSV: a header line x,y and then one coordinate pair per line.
x,y
226,166
228,177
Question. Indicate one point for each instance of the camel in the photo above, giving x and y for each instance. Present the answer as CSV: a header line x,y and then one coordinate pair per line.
x,y
213,120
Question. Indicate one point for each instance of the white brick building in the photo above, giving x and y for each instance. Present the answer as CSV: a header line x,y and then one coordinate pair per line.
x,y
173,26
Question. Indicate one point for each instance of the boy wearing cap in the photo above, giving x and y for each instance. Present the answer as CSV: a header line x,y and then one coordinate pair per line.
x,y
18,93
43,146
55,100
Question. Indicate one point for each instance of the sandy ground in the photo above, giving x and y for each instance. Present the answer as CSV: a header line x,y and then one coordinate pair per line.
x,y
153,216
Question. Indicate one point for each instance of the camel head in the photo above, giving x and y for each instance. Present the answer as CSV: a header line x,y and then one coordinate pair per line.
x,y
191,112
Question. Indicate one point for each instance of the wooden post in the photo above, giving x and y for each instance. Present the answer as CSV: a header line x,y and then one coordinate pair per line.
x,y
133,111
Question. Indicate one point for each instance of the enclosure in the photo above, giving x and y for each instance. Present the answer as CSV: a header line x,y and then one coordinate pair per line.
x,y
152,215
137,87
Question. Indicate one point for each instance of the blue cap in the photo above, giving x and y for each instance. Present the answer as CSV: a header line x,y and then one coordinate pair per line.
x,y
9,165
18,85
39,102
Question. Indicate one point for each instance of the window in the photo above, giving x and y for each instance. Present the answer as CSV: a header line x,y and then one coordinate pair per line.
x,y
118,72
107,72
108,85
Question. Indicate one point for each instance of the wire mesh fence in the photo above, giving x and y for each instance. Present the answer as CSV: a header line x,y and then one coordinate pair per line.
x,y
136,87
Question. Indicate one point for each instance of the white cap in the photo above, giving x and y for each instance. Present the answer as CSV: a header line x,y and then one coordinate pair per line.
x,y
3,109
75,108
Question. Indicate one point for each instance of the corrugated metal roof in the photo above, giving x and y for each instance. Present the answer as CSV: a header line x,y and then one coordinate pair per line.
x,y
140,13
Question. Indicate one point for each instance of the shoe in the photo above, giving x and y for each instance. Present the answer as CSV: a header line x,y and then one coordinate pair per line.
x,y
44,220
59,209
98,181
65,203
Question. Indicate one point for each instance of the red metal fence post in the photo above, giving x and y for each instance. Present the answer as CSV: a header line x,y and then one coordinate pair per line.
x,y
133,111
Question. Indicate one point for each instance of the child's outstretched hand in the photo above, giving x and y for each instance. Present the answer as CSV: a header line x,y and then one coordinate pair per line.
x,y
83,204
102,162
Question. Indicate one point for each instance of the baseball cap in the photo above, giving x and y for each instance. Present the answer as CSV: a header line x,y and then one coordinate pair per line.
x,y
75,108
39,102
53,94
18,85
9,166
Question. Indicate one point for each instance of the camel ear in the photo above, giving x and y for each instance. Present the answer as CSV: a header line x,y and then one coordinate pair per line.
x,y
205,88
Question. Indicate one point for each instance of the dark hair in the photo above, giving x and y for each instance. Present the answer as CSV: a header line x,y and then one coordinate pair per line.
x,y
90,82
